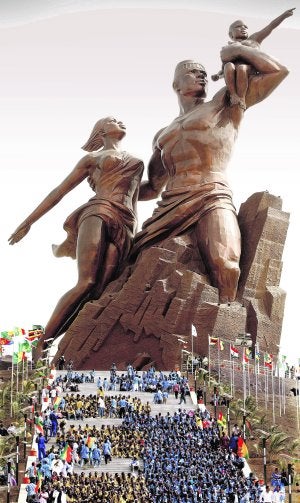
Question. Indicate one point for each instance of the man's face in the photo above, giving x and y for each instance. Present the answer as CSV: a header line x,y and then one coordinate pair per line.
x,y
192,82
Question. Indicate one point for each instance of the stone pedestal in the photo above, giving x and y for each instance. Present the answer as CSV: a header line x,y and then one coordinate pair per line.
x,y
145,316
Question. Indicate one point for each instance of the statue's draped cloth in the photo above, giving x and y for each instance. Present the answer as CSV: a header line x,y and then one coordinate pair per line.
x,y
120,219
181,208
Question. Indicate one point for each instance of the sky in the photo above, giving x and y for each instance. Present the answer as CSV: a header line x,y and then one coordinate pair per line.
x,y
65,64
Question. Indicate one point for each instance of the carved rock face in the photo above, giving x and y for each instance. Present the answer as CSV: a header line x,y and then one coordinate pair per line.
x,y
141,316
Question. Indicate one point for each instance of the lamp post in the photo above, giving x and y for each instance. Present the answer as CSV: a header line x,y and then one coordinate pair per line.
x,y
228,417
264,438
290,481
290,475
17,458
228,398
204,374
265,459
245,413
25,434
8,481
215,402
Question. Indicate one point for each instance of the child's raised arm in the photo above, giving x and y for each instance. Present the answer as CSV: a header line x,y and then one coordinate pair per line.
x,y
259,36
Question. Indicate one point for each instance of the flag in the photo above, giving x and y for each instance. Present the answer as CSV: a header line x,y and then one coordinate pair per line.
x,y
245,358
25,346
268,360
248,425
206,423
18,356
66,454
199,423
19,331
257,354
248,352
281,361
33,340
220,344
5,342
221,420
39,481
39,425
242,449
40,328
234,352
194,331
90,442
56,402
7,335
32,335
213,341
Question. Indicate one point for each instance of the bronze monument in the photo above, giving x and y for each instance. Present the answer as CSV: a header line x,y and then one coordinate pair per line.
x,y
136,297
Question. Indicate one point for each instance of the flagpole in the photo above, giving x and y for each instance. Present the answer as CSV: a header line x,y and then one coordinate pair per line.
x,y
265,379
22,374
233,386
273,397
12,385
219,364
194,334
244,381
298,401
231,371
255,370
17,378
283,394
208,360
279,393
267,386
192,352
248,368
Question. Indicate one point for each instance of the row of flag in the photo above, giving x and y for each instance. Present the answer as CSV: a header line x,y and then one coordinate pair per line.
x,y
268,358
21,340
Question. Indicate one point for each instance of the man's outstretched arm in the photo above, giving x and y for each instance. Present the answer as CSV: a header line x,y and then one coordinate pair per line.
x,y
270,73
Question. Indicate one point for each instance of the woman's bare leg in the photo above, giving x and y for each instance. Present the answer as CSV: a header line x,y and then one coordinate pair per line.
x,y
91,248
219,242
111,264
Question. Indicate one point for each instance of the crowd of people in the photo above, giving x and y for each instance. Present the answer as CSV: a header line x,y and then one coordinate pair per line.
x,y
95,487
184,457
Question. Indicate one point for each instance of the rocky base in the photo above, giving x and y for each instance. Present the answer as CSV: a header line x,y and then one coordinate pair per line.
x,y
145,316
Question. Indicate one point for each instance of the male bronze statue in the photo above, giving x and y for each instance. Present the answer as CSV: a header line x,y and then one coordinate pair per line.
x,y
190,160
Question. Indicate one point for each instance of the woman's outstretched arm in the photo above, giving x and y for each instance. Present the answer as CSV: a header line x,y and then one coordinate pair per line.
x,y
77,175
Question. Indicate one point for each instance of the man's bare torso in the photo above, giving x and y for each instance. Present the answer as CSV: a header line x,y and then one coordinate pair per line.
x,y
196,146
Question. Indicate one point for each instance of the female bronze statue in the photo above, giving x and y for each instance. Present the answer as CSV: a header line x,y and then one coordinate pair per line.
x,y
99,233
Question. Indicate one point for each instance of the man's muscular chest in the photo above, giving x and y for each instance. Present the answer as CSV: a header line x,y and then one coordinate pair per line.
x,y
196,124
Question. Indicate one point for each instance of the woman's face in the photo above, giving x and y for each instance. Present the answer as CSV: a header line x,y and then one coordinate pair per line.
x,y
112,127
